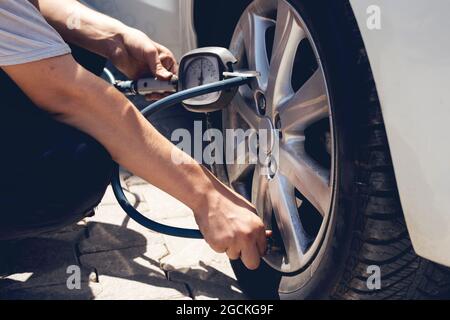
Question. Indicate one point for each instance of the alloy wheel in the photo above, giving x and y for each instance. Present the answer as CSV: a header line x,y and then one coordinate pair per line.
x,y
293,187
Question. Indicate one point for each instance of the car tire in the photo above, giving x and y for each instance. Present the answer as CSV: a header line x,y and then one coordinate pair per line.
x,y
367,226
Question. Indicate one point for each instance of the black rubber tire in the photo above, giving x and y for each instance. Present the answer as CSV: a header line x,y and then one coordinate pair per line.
x,y
368,226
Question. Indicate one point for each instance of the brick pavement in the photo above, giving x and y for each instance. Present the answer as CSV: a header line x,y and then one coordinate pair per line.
x,y
119,259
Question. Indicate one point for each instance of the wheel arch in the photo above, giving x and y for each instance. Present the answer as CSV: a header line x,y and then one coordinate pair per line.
x,y
214,21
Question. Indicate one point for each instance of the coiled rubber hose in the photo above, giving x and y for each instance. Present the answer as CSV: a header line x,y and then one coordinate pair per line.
x,y
161,105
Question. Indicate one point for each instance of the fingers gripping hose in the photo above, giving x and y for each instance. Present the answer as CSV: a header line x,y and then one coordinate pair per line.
x,y
161,105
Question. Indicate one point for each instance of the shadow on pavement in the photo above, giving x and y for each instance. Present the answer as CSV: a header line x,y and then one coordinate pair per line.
x,y
36,268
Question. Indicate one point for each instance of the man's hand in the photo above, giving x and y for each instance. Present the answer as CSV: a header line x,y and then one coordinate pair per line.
x,y
139,56
229,224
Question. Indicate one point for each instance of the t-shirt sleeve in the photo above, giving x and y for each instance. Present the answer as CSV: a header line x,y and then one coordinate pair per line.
x,y
25,36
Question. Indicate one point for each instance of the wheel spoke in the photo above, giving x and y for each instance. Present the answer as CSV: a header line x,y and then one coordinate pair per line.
x,y
241,154
308,177
307,106
254,29
246,110
288,34
237,172
288,221
259,196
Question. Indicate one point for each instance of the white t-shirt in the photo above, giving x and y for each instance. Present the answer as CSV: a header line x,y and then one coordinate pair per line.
x,y
25,36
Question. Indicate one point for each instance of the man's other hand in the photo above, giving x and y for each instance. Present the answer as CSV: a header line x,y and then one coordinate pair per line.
x,y
230,225
139,56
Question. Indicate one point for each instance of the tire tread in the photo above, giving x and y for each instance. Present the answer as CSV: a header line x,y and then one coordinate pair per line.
x,y
383,238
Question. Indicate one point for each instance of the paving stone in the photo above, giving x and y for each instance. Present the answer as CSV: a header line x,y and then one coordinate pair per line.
x,y
19,277
194,257
125,174
129,261
38,262
161,205
72,233
141,288
124,263
52,292
103,237
38,278
79,226
135,181
109,198
114,214
184,255
221,288
112,229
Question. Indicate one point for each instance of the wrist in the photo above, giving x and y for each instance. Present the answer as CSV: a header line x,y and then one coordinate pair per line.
x,y
205,194
205,206
115,47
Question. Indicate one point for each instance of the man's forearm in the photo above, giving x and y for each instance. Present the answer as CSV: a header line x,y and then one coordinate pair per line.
x,y
83,26
82,100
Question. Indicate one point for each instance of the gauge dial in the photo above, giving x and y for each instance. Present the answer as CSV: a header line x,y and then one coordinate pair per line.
x,y
202,71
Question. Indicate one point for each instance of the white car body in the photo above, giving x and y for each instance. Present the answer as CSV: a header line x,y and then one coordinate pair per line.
x,y
410,62
169,22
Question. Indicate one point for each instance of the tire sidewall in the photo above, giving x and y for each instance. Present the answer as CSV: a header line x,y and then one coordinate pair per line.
x,y
328,28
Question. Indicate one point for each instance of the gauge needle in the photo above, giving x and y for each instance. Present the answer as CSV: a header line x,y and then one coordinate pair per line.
x,y
201,79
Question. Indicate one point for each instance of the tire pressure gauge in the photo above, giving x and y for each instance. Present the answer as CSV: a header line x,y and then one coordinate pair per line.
x,y
203,66
198,68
